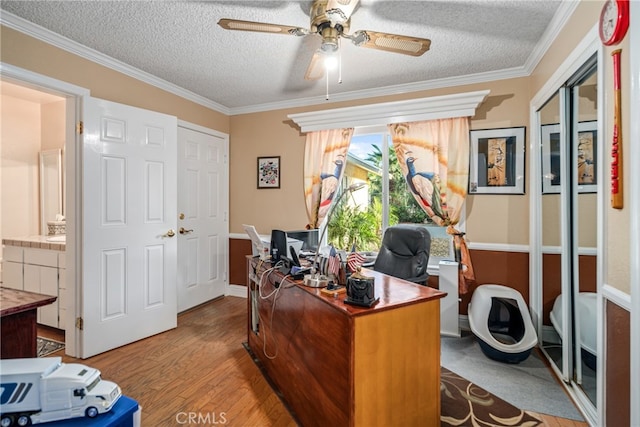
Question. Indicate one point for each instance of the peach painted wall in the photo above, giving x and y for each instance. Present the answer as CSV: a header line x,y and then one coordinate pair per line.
x,y
491,219
53,125
19,145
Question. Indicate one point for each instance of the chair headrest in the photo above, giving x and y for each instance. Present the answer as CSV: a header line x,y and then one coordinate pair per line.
x,y
407,239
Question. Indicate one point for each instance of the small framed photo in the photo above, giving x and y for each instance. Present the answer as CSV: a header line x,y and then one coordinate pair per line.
x,y
496,164
586,157
269,172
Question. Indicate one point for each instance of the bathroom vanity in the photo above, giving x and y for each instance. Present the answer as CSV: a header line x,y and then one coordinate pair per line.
x,y
37,264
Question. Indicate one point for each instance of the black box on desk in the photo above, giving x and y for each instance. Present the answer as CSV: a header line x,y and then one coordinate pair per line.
x,y
361,291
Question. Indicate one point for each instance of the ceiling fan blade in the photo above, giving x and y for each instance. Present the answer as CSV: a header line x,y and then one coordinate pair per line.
x,y
315,70
406,45
340,10
261,27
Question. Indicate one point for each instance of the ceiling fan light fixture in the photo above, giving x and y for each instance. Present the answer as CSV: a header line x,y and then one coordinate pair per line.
x,y
329,40
329,46
330,62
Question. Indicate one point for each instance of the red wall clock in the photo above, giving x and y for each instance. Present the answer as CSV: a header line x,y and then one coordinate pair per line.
x,y
614,21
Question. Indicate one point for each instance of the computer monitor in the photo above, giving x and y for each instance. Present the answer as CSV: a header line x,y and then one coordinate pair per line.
x,y
309,238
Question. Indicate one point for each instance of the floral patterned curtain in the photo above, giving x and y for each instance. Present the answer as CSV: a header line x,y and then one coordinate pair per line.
x,y
434,157
325,157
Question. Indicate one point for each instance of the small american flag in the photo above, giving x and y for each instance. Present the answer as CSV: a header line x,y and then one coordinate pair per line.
x,y
334,262
354,261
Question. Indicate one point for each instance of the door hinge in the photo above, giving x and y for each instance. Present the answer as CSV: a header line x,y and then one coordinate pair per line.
x,y
79,323
80,127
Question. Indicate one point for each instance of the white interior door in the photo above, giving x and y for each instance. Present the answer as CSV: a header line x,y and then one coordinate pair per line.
x,y
202,220
129,205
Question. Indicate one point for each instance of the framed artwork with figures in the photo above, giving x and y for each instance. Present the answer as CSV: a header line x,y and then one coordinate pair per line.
x,y
585,153
496,163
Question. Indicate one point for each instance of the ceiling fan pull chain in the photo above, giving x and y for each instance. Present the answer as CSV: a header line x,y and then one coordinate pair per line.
x,y
339,63
327,80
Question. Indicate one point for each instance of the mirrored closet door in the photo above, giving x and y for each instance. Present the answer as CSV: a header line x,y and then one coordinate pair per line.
x,y
569,223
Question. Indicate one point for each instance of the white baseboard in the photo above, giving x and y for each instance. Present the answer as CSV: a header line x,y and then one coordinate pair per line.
x,y
236,291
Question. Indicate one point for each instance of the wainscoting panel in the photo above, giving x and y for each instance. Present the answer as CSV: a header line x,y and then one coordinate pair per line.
x,y
499,267
238,250
617,365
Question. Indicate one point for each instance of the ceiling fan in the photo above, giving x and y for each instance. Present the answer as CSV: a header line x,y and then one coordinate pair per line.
x,y
330,20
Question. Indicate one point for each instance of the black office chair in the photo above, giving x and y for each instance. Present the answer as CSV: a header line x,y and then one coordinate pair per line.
x,y
405,253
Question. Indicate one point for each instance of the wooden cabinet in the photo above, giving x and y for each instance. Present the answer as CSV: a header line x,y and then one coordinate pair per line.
x,y
339,364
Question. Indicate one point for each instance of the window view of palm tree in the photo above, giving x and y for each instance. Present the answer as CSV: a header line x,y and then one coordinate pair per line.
x,y
357,220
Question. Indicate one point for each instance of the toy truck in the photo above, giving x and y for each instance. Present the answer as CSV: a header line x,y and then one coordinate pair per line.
x,y
39,390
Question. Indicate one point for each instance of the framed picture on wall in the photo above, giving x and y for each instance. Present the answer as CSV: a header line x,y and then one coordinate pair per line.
x,y
496,164
586,160
269,172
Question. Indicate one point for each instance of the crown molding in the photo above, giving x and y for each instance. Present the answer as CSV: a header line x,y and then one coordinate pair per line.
x,y
40,33
432,108
386,90
560,18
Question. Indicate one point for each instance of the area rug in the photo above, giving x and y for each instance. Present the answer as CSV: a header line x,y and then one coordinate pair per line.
x,y
462,403
47,346
465,404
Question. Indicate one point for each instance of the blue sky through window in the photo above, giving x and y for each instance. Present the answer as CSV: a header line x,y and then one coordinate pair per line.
x,y
361,145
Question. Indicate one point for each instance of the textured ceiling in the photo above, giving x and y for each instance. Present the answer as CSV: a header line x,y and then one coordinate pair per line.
x,y
181,43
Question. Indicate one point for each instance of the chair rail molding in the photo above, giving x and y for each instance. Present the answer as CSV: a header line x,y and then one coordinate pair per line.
x,y
431,108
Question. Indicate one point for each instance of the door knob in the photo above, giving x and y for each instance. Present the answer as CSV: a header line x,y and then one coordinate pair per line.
x,y
169,233
184,230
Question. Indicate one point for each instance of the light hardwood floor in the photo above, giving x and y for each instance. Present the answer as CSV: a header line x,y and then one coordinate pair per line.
x,y
200,369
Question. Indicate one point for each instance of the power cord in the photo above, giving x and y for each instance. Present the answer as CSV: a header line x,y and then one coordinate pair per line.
x,y
276,291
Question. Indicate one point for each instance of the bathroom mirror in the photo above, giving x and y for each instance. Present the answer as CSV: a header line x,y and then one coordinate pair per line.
x,y
51,187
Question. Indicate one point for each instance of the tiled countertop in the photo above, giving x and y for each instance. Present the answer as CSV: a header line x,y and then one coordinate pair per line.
x,y
35,242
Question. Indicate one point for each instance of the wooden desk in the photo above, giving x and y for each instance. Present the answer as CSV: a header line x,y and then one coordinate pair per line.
x,y
343,365
18,312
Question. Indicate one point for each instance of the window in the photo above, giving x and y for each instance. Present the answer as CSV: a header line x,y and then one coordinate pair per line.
x,y
361,218
370,119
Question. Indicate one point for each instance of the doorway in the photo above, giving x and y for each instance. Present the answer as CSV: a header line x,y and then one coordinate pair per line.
x,y
32,147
